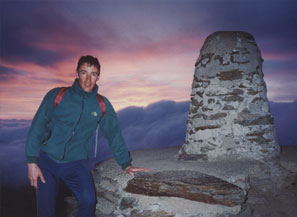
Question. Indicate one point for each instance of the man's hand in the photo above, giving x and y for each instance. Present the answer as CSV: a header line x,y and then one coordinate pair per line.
x,y
131,170
33,173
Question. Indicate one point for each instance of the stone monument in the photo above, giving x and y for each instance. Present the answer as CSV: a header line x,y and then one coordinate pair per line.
x,y
229,115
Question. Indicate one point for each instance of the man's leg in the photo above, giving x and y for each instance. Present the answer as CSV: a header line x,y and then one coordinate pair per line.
x,y
46,193
78,179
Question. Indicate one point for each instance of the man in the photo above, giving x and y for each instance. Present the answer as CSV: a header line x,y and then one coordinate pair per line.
x,y
60,138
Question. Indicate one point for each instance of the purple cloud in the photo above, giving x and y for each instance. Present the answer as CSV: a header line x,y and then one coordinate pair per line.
x,y
159,125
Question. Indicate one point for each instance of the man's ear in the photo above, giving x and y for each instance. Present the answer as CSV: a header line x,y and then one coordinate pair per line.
x,y
98,78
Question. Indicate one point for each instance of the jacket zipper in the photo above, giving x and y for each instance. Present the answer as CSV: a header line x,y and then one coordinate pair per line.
x,y
74,129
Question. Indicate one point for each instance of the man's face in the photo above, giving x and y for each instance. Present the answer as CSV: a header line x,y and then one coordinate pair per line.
x,y
87,77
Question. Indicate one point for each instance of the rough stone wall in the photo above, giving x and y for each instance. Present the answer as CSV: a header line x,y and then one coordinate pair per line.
x,y
229,113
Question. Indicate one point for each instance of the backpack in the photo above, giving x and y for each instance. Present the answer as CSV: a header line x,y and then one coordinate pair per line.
x,y
101,102
62,91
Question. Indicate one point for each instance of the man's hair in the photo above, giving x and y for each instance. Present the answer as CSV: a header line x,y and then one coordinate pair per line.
x,y
90,60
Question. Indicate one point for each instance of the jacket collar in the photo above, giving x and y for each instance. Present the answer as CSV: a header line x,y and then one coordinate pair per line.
x,y
78,90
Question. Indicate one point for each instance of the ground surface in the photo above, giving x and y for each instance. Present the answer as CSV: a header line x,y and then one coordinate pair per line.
x,y
272,188
276,202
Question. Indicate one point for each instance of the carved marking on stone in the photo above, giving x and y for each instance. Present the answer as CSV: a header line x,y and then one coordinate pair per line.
x,y
230,75
228,107
217,116
258,133
206,109
207,127
233,98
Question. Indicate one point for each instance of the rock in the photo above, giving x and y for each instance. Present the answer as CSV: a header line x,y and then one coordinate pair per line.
x,y
229,102
113,201
270,191
127,202
71,206
187,184
149,213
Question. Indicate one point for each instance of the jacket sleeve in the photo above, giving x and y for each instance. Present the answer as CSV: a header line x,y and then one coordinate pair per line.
x,y
38,129
112,132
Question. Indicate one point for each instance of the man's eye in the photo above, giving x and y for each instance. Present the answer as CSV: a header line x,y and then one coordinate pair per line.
x,y
82,72
94,74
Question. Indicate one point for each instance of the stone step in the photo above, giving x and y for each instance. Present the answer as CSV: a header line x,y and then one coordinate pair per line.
x,y
187,184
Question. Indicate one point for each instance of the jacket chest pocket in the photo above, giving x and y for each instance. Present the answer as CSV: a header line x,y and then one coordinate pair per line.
x,y
89,120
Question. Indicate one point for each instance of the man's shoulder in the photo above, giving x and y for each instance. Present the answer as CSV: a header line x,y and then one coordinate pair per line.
x,y
109,107
104,97
106,100
51,94
54,91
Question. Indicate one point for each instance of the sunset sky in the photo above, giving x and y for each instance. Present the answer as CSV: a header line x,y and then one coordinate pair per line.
x,y
147,48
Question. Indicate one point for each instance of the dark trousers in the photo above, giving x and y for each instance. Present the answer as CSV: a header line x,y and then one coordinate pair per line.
x,y
75,176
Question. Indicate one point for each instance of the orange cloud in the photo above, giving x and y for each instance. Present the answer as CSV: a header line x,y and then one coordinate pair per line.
x,y
279,56
134,77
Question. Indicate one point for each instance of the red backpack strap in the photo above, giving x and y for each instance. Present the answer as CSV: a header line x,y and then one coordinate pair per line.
x,y
59,96
101,104
103,110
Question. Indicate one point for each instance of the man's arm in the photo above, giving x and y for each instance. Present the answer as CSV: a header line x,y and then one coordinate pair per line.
x,y
112,132
35,137
38,128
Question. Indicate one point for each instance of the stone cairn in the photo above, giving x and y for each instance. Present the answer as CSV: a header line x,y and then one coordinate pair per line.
x,y
229,113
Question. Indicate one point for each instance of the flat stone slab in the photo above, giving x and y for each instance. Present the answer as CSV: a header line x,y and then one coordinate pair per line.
x,y
187,184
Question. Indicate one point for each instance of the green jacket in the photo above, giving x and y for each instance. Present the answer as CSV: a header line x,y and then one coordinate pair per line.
x,y
65,132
